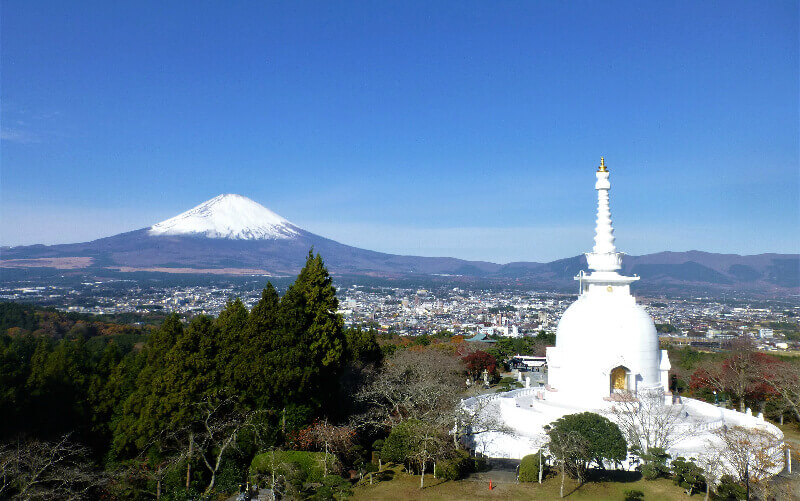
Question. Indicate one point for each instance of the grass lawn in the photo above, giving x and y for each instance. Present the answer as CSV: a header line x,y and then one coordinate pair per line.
x,y
403,486
791,435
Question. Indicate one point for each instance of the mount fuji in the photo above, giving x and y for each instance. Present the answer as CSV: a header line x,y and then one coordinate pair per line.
x,y
228,216
233,235
229,234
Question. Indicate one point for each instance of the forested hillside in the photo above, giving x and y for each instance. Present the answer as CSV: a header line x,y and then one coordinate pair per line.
x,y
201,397
18,319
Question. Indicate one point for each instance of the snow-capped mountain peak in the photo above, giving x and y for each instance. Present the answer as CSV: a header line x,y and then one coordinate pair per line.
x,y
228,216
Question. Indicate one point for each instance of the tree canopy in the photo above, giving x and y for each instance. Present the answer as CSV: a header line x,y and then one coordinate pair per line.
x,y
585,438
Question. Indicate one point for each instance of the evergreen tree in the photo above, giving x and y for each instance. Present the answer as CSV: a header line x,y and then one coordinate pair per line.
x,y
362,346
313,333
264,317
190,374
164,338
135,422
101,397
259,371
15,366
231,326
57,384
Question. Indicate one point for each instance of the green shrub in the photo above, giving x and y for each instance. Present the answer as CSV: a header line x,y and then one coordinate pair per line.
x,y
297,466
729,488
655,464
333,487
447,470
634,495
688,475
456,467
396,446
174,482
509,383
529,468
357,455
650,471
231,474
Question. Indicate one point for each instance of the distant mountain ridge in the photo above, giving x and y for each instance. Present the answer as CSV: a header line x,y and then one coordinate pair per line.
x,y
231,234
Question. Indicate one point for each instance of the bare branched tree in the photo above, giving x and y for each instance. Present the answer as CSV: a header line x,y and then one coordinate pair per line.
x,y
565,449
34,469
220,423
423,385
8,469
427,443
713,470
483,416
752,454
647,422
784,379
331,439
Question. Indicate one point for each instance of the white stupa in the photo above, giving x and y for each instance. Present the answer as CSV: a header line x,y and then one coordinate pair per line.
x,y
605,342
606,355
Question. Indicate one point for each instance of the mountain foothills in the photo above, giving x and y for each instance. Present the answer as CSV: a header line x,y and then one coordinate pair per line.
x,y
231,234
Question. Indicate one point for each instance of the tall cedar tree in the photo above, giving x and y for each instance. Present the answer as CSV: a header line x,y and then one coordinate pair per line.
x,y
231,326
286,355
190,376
57,383
258,371
313,333
137,421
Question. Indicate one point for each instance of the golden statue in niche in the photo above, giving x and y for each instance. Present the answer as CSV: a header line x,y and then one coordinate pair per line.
x,y
619,378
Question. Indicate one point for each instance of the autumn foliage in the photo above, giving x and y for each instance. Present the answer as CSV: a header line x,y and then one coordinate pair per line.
x,y
479,361
744,375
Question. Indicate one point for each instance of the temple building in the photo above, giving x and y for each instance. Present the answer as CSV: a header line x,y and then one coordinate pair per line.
x,y
607,360
605,342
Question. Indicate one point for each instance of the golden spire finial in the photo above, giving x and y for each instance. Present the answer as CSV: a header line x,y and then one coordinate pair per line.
x,y
602,167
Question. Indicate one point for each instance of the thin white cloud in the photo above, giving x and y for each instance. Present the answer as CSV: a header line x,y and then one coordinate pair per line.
x,y
18,136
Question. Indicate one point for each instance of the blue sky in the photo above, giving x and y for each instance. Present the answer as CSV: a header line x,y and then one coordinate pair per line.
x,y
467,129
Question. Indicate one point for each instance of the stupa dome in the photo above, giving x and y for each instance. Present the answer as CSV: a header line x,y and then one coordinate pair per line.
x,y
598,334
600,322
605,342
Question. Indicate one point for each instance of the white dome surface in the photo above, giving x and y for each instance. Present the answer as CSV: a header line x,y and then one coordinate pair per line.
x,y
602,321
602,331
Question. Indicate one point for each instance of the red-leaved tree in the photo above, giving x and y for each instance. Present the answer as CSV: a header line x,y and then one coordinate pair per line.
x,y
479,361
741,375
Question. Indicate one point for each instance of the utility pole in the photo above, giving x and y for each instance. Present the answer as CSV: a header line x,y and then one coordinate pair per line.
x,y
189,462
541,466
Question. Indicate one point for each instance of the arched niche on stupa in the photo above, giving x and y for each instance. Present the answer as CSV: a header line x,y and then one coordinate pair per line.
x,y
619,379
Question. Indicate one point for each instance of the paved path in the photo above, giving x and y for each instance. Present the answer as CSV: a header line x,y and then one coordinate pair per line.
x,y
501,471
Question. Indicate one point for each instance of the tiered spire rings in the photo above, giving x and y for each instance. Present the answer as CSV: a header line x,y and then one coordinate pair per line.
x,y
604,256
